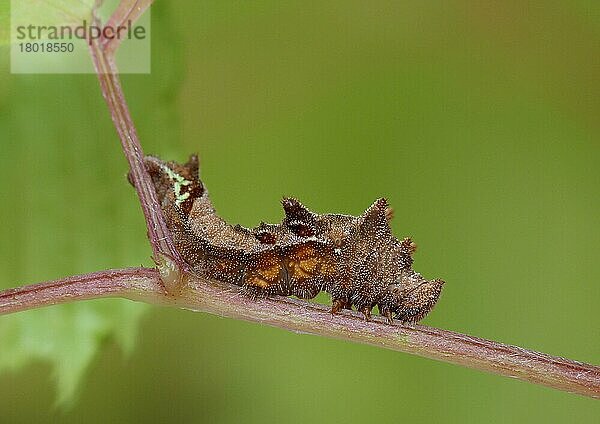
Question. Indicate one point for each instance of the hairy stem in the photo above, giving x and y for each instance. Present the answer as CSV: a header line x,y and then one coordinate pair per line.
x,y
128,11
111,283
159,235
225,300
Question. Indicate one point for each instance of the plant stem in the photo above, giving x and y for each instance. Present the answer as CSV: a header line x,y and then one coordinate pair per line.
x,y
158,233
128,11
110,283
225,300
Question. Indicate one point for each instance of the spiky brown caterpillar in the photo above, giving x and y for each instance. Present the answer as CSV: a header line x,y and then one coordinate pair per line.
x,y
357,260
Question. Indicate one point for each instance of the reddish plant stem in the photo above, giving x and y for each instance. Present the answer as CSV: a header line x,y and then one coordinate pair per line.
x,y
158,233
128,11
304,317
95,285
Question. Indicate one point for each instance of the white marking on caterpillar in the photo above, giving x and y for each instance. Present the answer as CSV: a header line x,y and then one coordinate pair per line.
x,y
178,183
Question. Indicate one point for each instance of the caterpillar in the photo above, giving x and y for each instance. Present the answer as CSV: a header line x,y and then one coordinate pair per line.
x,y
356,259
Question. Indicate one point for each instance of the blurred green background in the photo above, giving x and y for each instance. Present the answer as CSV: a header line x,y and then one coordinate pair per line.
x,y
478,120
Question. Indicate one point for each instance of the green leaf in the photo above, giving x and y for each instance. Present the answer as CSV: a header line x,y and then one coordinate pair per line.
x,y
67,336
66,207
4,23
52,12
42,13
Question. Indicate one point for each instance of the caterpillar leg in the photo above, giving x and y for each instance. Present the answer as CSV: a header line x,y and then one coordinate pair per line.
x,y
366,311
388,316
253,292
339,304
